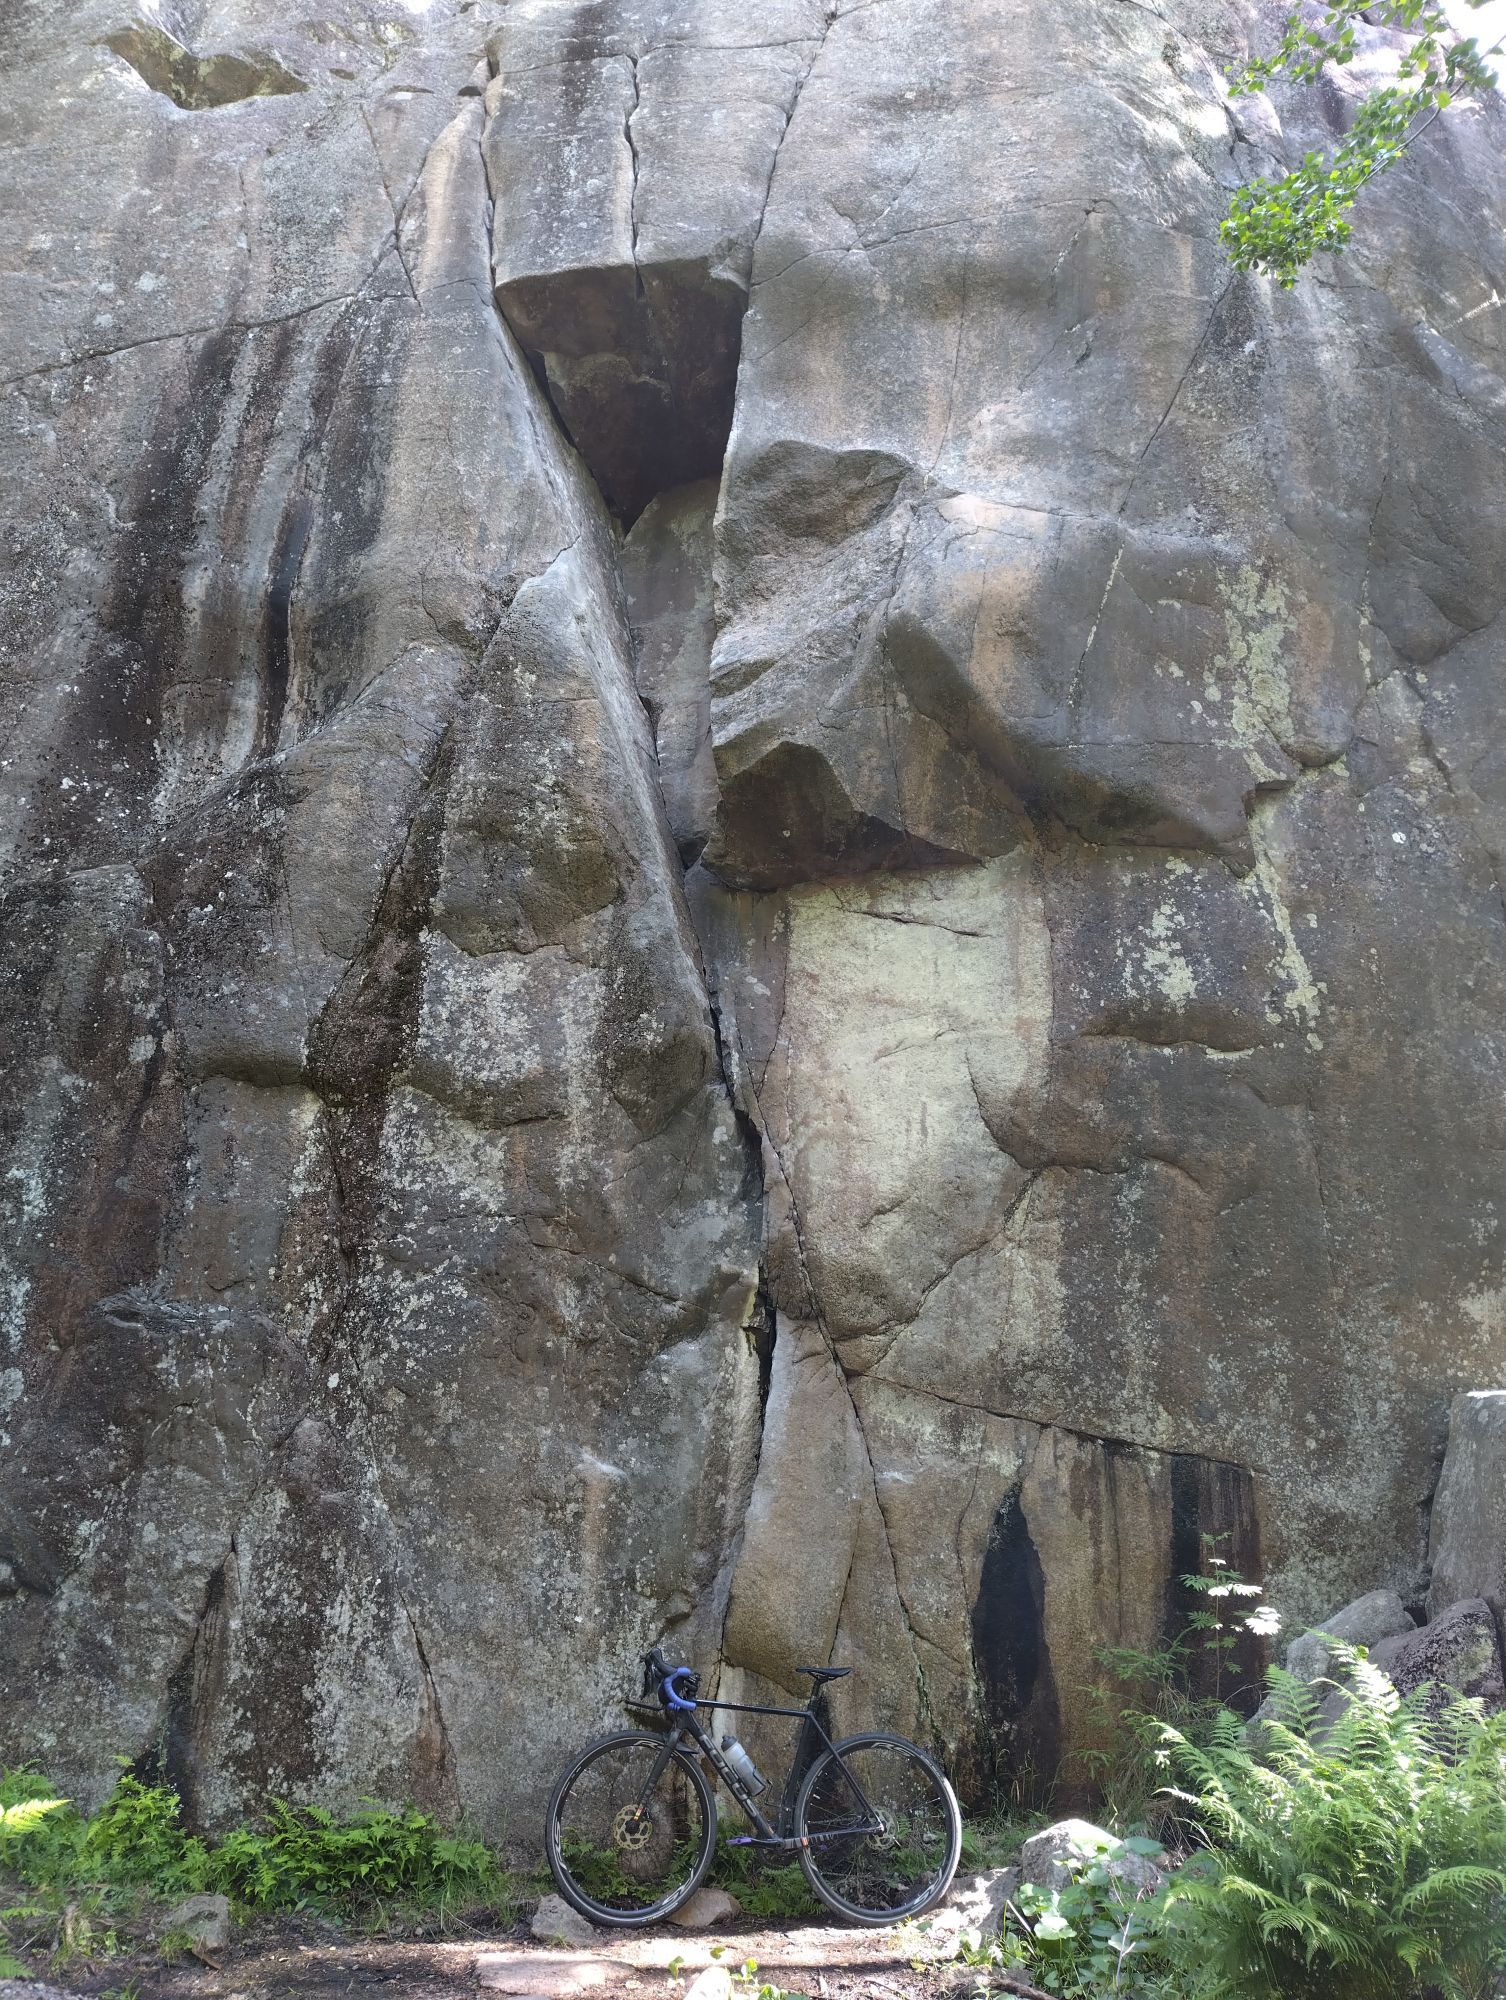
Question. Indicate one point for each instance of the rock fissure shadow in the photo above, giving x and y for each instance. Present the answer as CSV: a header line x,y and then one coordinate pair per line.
x,y
1012,1660
200,83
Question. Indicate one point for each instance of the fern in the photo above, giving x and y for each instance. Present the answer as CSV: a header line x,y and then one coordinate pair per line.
x,y
305,1857
26,1816
40,1833
297,1857
1362,1857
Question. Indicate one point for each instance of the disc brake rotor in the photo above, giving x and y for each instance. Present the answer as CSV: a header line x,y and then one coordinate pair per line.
x,y
633,1828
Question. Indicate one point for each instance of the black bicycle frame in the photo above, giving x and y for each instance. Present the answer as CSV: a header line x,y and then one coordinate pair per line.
x,y
685,1725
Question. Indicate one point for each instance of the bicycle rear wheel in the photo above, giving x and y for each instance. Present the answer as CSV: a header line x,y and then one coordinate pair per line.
x,y
630,1832
883,1827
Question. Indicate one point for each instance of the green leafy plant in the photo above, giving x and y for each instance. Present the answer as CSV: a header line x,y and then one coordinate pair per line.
x,y
748,1986
1356,1857
297,1857
138,1837
1276,225
1184,1682
763,1888
598,1870
304,1856
1098,1935
40,1833
1234,1612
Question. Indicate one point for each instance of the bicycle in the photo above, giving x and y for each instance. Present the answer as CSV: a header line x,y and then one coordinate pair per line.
x,y
630,1830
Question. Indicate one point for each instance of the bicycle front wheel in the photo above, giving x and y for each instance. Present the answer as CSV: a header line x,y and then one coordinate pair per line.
x,y
631,1830
883,1828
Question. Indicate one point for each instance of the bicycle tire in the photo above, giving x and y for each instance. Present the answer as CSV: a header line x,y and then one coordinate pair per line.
x,y
578,1895
912,1783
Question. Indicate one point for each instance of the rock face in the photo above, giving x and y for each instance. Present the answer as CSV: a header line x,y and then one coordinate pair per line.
x,y
1469,1511
753,871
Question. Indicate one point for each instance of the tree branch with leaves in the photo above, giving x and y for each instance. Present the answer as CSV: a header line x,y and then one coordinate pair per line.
x,y
1275,226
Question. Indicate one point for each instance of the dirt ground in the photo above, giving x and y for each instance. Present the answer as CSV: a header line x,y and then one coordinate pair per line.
x,y
271,1959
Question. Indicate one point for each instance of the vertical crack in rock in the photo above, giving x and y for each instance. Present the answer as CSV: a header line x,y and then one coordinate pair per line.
x,y
194,1691
819,1320
364,1032
630,299
789,119
761,1327
534,360
761,1324
434,1744
1176,394
632,146
1074,690
392,202
922,1686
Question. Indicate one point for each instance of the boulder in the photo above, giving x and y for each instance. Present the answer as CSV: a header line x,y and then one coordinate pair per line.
x,y
1460,1649
974,1903
1058,1853
1468,1541
555,1922
707,1909
1378,1615
206,1919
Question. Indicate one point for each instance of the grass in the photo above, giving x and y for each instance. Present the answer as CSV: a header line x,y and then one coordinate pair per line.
x,y
994,1839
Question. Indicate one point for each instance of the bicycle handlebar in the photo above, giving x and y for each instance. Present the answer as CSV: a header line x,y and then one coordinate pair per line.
x,y
659,1677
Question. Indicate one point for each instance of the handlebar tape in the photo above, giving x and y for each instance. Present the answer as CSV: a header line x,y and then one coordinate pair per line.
x,y
673,1699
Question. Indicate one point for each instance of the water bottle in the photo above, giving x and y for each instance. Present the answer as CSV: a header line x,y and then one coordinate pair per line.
x,y
743,1764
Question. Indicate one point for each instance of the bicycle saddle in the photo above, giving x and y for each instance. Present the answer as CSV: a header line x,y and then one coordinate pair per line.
x,y
819,1674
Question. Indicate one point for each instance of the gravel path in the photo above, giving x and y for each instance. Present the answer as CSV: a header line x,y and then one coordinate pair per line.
x,y
826,1962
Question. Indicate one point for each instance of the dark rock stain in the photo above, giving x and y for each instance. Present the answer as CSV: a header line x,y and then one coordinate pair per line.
x,y
90,804
323,646
1022,1722
1213,1517
331,363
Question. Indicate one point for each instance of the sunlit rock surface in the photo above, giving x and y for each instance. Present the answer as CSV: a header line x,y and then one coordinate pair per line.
x,y
753,871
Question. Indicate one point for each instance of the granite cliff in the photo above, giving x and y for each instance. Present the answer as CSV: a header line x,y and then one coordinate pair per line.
x,y
753,869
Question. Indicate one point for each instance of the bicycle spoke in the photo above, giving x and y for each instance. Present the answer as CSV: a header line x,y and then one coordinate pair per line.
x,y
883,1831
623,1842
